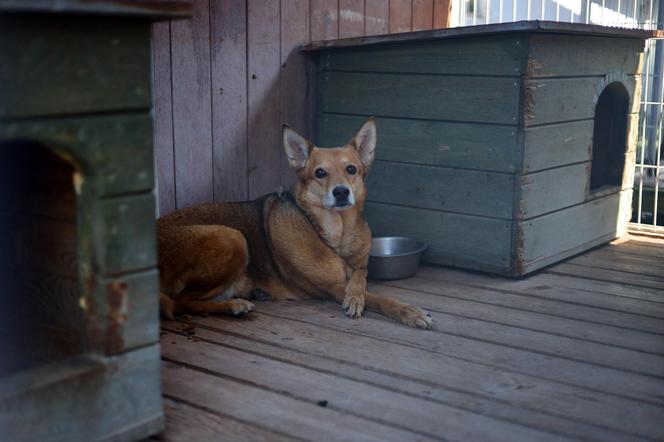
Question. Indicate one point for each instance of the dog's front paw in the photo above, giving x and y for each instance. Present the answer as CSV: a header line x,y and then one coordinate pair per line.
x,y
353,304
240,307
414,316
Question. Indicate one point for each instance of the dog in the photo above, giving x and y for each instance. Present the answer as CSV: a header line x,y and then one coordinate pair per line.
x,y
309,243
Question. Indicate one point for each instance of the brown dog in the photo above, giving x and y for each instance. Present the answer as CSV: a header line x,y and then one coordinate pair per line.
x,y
311,243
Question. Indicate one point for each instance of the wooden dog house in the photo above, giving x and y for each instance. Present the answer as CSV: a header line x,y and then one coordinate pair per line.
x,y
79,326
506,147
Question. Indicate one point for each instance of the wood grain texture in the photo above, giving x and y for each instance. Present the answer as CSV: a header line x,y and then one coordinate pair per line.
x,y
400,16
163,117
47,88
376,19
324,19
436,143
351,18
192,131
264,120
557,145
454,239
422,15
498,56
394,95
228,40
461,191
296,79
441,13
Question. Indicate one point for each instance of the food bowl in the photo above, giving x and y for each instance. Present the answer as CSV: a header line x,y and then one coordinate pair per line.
x,y
394,257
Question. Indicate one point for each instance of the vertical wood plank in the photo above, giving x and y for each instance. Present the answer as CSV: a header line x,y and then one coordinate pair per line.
x,y
228,21
400,16
376,17
441,13
264,122
422,14
324,19
192,128
295,93
351,18
163,116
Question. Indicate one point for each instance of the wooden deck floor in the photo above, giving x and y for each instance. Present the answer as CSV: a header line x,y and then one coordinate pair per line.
x,y
575,352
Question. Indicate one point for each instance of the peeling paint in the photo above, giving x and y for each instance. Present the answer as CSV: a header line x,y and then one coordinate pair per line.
x,y
116,296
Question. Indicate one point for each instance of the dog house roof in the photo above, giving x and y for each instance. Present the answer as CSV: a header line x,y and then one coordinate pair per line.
x,y
151,9
530,26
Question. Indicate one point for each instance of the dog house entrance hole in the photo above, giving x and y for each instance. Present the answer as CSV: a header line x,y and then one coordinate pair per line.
x,y
40,320
609,137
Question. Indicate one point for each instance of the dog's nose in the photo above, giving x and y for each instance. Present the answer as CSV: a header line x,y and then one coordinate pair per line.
x,y
341,192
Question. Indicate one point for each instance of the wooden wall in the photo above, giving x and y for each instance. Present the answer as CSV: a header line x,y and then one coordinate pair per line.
x,y
229,77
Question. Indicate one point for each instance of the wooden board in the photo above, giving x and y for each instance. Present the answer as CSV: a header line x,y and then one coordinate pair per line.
x,y
192,125
127,231
436,143
89,390
115,72
400,16
324,19
376,19
440,188
117,148
264,121
553,189
441,13
228,46
351,18
453,239
422,15
557,145
163,117
550,238
570,56
421,96
476,56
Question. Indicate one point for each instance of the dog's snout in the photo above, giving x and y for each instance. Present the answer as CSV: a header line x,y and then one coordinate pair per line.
x,y
341,192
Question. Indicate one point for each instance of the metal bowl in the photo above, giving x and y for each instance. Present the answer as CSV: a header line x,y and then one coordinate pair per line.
x,y
394,257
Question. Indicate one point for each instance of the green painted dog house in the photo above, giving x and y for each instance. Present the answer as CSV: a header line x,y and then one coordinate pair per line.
x,y
79,325
506,147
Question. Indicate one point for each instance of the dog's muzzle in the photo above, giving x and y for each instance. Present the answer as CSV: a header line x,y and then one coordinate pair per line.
x,y
343,197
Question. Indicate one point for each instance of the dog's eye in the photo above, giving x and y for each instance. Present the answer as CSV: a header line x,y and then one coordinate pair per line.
x,y
351,169
320,173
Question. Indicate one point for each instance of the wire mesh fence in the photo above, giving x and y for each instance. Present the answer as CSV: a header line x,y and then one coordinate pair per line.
x,y
648,201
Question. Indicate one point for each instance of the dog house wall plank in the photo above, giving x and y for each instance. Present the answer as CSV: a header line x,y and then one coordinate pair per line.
x,y
440,188
116,147
54,85
95,391
476,56
454,239
128,234
550,238
428,142
557,145
458,98
192,125
568,55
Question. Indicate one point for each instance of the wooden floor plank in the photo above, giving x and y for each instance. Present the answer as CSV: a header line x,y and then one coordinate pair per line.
x,y
554,398
559,288
284,414
484,405
515,360
532,314
607,275
185,423
457,320
380,405
616,259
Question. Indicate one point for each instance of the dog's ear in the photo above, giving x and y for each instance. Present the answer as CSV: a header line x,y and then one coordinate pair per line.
x,y
297,148
365,141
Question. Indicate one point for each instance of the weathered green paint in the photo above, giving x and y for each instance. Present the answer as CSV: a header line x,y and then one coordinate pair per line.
x,y
470,192
454,98
117,149
437,143
478,56
69,66
457,240
487,123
